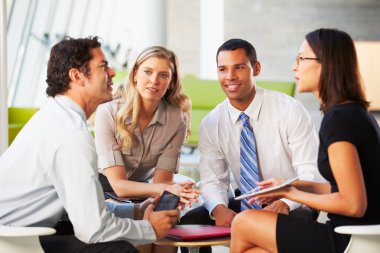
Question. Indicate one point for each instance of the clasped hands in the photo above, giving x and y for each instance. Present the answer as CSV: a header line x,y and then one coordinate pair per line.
x,y
186,192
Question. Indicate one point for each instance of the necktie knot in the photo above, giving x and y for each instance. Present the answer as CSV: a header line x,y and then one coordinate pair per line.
x,y
245,119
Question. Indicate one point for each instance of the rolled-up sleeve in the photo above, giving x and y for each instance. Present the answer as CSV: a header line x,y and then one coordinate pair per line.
x,y
107,148
168,160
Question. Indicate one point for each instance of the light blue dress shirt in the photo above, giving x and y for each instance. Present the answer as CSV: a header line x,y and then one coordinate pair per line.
x,y
52,166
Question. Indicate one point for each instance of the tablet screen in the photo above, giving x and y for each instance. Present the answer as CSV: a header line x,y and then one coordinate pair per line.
x,y
260,190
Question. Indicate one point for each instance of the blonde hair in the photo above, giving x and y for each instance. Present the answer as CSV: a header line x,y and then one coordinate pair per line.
x,y
129,100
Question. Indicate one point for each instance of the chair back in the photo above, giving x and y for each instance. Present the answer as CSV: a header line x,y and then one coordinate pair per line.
x,y
205,95
285,87
17,118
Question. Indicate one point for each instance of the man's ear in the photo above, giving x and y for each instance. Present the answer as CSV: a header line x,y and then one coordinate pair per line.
x,y
75,75
257,68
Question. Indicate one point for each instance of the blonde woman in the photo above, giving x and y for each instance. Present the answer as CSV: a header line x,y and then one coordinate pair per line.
x,y
139,135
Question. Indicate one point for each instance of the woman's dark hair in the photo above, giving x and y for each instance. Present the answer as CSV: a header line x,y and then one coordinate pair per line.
x,y
65,55
340,78
234,44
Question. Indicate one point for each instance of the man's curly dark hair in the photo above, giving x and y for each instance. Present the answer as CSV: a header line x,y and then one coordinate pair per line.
x,y
67,54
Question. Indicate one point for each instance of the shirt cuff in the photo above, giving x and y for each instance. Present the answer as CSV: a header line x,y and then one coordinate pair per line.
x,y
292,205
124,210
108,159
211,206
148,232
167,163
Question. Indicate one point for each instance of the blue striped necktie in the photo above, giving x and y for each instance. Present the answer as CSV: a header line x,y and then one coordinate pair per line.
x,y
249,167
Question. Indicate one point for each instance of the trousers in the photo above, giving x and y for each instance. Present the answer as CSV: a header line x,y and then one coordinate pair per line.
x,y
64,241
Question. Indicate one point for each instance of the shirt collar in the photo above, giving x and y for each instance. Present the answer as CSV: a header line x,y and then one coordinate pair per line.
x,y
68,102
253,110
159,116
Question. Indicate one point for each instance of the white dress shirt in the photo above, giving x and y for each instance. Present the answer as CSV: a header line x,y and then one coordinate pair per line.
x,y
287,144
52,166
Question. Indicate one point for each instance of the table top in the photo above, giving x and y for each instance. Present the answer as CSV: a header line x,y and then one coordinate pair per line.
x,y
195,243
212,241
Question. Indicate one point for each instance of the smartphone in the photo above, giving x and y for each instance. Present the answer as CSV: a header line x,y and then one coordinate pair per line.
x,y
168,201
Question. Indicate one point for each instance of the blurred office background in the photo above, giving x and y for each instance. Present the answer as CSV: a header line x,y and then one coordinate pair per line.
x,y
193,29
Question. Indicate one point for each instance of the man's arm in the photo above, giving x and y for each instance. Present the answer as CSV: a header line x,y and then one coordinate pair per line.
x,y
303,144
214,173
122,210
223,215
74,176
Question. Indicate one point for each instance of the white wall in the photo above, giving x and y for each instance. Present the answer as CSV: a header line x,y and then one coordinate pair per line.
x,y
3,79
212,36
126,27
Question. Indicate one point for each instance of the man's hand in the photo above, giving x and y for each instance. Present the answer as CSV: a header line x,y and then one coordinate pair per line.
x,y
278,206
223,215
140,207
161,221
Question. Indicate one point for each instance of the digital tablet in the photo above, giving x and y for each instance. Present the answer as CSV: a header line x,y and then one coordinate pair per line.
x,y
258,190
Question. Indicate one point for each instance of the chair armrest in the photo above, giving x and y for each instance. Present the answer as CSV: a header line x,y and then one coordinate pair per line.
x,y
8,231
359,230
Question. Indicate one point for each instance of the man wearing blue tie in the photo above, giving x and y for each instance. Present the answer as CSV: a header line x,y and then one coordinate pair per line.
x,y
255,134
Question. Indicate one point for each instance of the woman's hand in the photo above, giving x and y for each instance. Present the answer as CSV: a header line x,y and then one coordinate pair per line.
x,y
269,197
270,182
186,193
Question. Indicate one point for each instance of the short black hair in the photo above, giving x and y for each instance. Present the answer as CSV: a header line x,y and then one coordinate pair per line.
x,y
233,44
67,54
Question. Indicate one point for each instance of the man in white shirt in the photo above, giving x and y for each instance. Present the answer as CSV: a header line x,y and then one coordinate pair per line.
x,y
51,166
285,138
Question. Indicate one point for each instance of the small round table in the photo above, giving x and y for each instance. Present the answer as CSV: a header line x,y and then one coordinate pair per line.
x,y
194,245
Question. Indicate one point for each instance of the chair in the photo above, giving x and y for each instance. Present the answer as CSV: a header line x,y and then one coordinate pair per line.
x,y
22,239
288,88
17,118
364,239
204,95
